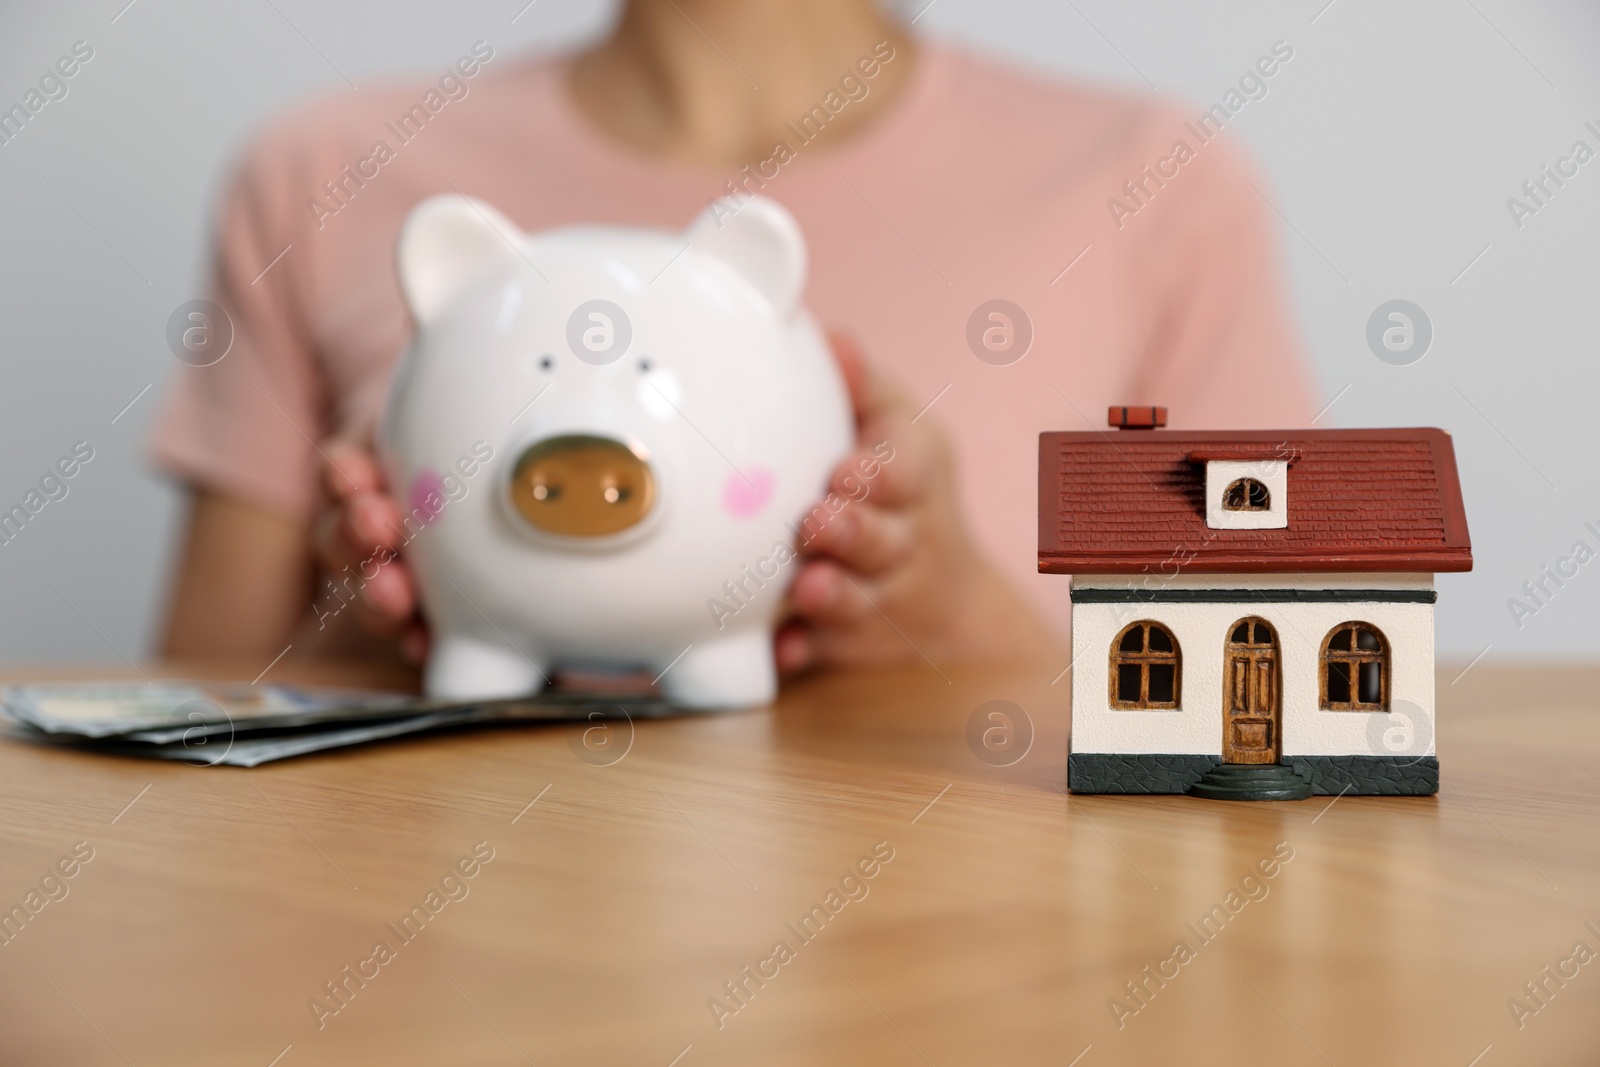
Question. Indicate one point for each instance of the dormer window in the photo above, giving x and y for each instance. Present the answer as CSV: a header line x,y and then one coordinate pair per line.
x,y
1247,487
1246,494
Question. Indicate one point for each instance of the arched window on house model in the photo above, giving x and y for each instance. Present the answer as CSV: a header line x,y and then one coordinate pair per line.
x,y
1146,668
1355,668
1246,494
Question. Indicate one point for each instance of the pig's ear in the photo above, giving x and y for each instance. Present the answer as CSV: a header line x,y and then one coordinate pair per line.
x,y
762,241
447,244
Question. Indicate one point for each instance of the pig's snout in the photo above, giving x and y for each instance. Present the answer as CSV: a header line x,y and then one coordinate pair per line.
x,y
580,485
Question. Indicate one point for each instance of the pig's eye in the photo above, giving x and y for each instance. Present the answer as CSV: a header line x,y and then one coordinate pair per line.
x,y
644,366
545,363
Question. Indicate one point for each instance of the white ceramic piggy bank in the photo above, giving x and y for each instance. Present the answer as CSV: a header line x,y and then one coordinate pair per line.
x,y
593,432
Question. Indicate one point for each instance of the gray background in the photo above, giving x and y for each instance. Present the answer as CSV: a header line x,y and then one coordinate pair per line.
x,y
1390,142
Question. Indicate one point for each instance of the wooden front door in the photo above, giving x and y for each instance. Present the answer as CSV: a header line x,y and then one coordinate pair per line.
x,y
1251,708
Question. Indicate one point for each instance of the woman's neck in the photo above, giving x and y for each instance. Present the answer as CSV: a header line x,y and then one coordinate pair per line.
x,y
714,81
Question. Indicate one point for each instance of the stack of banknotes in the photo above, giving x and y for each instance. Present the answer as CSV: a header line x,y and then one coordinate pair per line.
x,y
247,725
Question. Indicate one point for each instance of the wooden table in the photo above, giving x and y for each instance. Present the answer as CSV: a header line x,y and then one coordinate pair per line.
x,y
621,898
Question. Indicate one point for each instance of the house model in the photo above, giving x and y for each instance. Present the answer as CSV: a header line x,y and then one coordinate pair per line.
x,y
1252,612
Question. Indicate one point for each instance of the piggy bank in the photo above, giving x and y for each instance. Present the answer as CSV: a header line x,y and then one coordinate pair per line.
x,y
604,440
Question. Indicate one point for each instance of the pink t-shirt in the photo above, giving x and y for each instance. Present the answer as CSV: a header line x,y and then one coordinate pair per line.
x,y
978,184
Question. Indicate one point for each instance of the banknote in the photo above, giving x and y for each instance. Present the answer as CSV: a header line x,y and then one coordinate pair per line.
x,y
112,709
211,725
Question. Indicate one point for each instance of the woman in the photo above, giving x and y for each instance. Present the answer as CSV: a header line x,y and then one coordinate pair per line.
x,y
929,184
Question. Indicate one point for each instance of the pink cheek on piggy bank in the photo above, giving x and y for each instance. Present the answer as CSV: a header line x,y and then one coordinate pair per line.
x,y
745,493
427,495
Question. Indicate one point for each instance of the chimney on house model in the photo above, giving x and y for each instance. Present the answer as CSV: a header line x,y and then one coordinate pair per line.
x,y
1137,418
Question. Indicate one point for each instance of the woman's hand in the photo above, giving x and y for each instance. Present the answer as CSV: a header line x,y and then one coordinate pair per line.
x,y
892,575
357,543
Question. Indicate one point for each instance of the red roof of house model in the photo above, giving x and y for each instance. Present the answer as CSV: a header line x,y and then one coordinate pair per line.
x,y
1127,501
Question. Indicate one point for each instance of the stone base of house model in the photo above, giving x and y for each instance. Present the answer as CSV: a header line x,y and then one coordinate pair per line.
x,y
1095,772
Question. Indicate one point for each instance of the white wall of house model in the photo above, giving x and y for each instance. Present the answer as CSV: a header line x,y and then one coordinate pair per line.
x,y
1201,631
